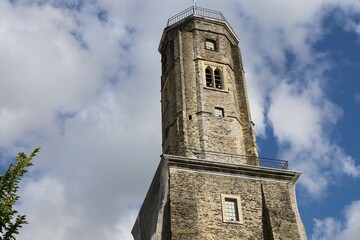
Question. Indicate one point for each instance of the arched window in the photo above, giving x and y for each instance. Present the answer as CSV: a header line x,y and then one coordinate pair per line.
x,y
208,76
217,76
214,79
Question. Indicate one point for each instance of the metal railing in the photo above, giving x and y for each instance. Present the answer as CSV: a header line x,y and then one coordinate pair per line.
x,y
196,11
245,159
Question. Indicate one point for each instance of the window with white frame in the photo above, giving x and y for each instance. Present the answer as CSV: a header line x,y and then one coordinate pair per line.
x,y
231,211
210,45
219,112
231,208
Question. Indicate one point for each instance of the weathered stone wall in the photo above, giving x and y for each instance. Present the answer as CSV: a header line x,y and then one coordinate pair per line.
x,y
184,202
188,106
203,200
282,216
185,198
195,206
153,221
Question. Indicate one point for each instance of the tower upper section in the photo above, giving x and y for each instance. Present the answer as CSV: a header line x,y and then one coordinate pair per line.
x,y
205,110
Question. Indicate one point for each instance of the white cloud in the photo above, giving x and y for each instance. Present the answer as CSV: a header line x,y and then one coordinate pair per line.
x,y
296,119
291,96
71,84
87,90
325,229
301,118
58,217
39,63
123,227
49,197
330,228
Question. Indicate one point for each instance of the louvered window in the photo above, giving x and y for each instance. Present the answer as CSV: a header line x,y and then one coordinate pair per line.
x,y
218,83
208,75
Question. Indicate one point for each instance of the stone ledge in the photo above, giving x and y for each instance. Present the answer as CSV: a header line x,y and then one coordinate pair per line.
x,y
228,168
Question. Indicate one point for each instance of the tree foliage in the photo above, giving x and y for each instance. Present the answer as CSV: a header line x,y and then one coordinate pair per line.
x,y
10,220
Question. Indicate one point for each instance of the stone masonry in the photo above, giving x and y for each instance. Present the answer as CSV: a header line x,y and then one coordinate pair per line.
x,y
188,105
184,202
210,184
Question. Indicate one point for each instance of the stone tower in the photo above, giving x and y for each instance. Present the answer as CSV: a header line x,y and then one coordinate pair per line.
x,y
210,183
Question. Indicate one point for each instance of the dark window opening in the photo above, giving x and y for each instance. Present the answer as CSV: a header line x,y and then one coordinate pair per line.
x,y
208,77
218,83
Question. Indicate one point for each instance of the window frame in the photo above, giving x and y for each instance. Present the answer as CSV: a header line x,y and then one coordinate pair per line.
x,y
210,45
217,79
237,200
219,110
209,76
215,73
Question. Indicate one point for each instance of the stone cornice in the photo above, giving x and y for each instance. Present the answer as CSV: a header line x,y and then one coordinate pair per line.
x,y
232,169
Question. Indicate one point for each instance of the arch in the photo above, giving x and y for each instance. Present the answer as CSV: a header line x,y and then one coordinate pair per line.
x,y
218,79
209,77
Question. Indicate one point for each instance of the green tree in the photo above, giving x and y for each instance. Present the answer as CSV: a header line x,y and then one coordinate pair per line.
x,y
10,220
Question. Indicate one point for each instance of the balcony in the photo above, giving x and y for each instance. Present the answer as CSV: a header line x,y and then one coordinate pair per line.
x,y
244,159
196,11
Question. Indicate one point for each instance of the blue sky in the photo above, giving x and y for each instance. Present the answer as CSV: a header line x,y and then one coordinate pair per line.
x,y
341,48
81,79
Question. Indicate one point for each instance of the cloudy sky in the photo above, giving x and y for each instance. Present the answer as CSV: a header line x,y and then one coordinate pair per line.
x,y
81,79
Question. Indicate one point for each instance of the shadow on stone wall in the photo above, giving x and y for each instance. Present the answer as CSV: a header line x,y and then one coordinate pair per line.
x,y
267,228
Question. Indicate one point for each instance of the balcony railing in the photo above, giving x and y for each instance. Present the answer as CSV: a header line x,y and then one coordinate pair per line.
x,y
229,157
196,11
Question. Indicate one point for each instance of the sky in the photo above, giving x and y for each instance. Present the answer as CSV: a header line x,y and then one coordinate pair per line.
x,y
81,79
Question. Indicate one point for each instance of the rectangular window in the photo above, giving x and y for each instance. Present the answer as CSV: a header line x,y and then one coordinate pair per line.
x,y
219,112
210,45
231,209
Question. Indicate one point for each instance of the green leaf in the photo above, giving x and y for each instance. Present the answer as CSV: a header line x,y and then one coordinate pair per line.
x,y
10,221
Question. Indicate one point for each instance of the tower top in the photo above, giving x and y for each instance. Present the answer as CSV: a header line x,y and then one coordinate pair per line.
x,y
198,12
205,112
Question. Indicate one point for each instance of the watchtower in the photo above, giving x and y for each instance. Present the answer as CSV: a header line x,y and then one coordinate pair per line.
x,y
210,183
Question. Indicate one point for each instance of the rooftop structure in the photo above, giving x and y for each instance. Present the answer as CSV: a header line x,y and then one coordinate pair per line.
x,y
196,11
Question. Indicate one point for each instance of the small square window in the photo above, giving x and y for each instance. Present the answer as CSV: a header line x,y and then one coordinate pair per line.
x,y
210,45
231,209
219,112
